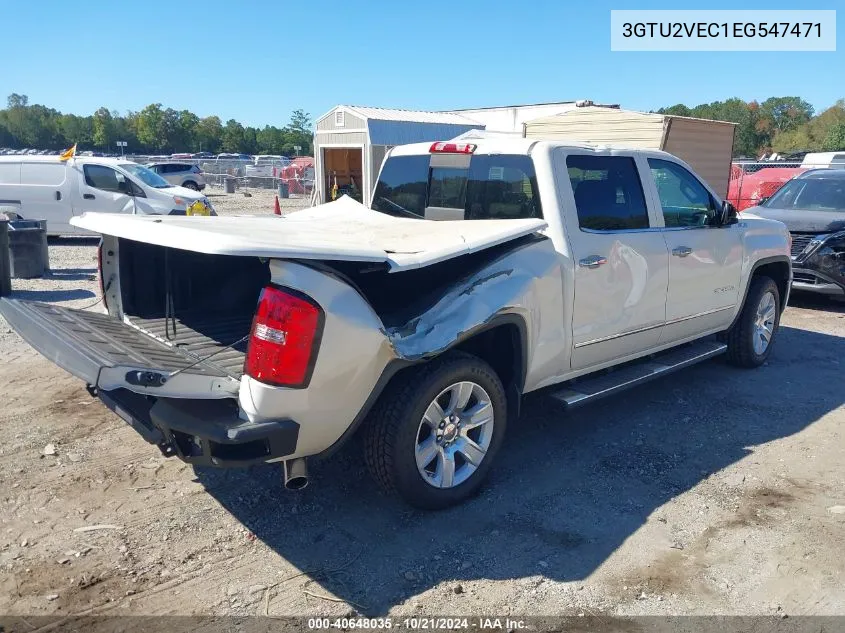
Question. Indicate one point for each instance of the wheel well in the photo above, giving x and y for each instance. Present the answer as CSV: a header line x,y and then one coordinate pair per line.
x,y
779,272
501,347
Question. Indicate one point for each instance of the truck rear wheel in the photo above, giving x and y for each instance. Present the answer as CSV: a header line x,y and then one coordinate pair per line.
x,y
434,433
751,338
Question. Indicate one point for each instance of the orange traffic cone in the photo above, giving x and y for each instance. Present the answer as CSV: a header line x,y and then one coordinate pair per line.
x,y
276,208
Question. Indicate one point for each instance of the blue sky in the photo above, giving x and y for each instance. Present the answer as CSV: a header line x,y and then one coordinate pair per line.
x,y
256,61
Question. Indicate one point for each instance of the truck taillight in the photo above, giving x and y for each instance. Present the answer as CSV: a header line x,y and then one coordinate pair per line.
x,y
284,338
451,148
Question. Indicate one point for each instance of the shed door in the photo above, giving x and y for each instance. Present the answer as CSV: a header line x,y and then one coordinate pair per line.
x,y
343,168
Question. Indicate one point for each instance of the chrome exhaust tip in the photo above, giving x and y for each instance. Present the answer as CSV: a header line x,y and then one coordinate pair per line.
x,y
295,473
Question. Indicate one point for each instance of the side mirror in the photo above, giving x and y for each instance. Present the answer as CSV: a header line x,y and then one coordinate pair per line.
x,y
123,187
729,214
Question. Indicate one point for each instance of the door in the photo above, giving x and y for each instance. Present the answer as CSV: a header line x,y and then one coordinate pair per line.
x,y
621,262
46,195
102,189
705,259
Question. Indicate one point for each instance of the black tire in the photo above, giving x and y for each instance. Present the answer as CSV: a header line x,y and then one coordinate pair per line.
x,y
393,424
740,338
191,185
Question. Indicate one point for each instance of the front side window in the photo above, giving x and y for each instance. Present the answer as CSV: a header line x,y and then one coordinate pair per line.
x,y
685,201
105,178
608,192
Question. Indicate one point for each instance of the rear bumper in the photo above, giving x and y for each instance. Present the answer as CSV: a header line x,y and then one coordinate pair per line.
x,y
203,432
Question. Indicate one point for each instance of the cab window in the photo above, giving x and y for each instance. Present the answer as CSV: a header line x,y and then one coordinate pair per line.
x,y
105,178
500,186
685,201
608,193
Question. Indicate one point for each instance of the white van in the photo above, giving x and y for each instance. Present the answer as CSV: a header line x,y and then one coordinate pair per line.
x,y
824,159
45,188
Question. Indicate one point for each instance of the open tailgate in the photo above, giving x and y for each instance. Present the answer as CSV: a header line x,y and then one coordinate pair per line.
x,y
109,354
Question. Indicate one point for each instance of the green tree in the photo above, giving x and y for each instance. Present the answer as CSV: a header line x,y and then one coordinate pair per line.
x,y
786,113
233,136
103,128
209,134
15,100
835,139
186,126
151,128
676,110
270,140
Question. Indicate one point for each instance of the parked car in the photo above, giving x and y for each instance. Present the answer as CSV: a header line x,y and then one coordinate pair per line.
x,y
202,155
236,341
824,159
748,188
266,166
812,205
45,188
182,174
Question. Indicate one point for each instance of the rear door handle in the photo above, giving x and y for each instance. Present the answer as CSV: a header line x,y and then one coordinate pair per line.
x,y
88,196
58,195
593,261
681,251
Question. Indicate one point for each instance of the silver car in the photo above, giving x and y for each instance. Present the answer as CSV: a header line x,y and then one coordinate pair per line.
x,y
180,174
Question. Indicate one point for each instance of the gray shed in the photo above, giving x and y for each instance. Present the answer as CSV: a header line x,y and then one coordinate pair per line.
x,y
351,142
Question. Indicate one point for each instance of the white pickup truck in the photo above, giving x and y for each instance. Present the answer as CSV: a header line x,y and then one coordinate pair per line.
x,y
480,272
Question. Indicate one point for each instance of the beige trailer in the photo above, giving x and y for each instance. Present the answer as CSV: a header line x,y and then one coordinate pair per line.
x,y
707,146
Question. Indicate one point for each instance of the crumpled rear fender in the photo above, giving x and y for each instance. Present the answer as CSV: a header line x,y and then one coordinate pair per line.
x,y
522,287
358,355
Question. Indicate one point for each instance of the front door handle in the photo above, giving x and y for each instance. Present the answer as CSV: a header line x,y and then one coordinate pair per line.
x,y
593,261
58,195
681,251
88,196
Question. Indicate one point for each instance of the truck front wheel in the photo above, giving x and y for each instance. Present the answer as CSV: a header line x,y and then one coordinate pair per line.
x,y
434,433
751,338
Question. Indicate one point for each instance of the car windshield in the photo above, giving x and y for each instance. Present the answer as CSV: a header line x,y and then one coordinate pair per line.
x,y
147,176
810,194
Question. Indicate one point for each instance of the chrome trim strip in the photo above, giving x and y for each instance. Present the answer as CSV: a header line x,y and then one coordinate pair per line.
x,y
652,327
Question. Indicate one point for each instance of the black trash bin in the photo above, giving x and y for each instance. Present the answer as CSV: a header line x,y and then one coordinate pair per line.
x,y
5,269
284,191
28,255
229,184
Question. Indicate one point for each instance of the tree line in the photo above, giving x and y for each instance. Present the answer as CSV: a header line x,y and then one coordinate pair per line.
x,y
781,124
153,130
778,124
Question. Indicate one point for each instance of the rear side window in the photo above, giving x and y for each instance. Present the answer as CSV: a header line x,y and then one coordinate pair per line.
x,y
493,187
502,187
608,192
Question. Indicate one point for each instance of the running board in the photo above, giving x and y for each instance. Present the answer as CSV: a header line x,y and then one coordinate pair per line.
x,y
593,387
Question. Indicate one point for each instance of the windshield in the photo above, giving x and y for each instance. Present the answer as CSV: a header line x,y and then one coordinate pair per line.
x,y
810,194
147,176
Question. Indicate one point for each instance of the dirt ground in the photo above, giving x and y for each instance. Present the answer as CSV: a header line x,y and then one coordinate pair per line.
x,y
712,491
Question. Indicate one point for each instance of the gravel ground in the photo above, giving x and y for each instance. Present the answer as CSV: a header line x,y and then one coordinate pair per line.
x,y
713,491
